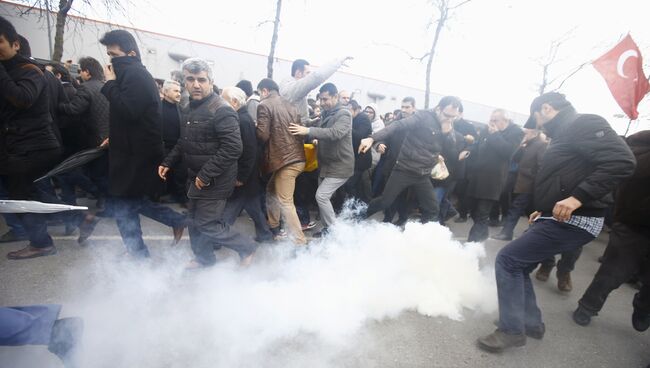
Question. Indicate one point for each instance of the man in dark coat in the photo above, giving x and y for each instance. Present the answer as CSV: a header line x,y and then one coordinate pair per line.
x,y
210,145
584,162
135,146
355,187
495,148
247,186
171,131
628,250
28,144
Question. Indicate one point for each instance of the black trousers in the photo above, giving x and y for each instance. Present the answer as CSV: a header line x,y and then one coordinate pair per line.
x,y
480,215
567,261
421,188
626,255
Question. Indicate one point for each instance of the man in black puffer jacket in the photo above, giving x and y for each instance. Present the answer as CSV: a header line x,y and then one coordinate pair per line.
x,y
210,146
585,160
428,134
28,143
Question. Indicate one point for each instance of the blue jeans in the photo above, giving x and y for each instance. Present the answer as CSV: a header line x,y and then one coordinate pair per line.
x,y
514,263
13,222
27,325
127,211
517,209
241,201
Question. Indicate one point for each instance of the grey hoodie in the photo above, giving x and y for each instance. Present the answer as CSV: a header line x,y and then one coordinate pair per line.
x,y
334,134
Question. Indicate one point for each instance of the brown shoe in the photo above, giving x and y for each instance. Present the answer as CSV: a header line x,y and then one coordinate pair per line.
x,y
564,281
32,252
178,234
543,273
86,228
499,340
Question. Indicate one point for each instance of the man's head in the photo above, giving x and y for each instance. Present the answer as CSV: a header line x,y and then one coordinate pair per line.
x,y
300,69
197,75
246,86
9,42
344,97
235,96
328,96
448,109
500,119
120,43
24,48
370,111
544,108
388,117
408,106
355,108
171,91
90,68
266,86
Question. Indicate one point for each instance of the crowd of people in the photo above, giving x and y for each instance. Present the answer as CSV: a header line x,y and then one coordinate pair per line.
x,y
283,157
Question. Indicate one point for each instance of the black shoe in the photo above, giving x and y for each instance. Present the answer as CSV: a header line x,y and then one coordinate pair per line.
x,y
10,236
461,220
86,228
499,340
536,332
582,316
502,237
65,340
640,319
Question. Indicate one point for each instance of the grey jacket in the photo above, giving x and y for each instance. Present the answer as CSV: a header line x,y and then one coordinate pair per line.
x,y
334,134
296,90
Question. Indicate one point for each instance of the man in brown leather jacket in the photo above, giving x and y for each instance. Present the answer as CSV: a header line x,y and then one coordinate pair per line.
x,y
283,157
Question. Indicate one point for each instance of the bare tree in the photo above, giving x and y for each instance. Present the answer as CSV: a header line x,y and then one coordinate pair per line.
x,y
274,40
444,8
61,15
551,60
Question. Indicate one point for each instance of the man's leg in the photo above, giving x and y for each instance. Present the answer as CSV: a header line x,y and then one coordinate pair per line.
x,y
285,184
480,231
254,210
234,206
426,198
397,182
625,253
126,215
161,213
273,202
518,208
324,192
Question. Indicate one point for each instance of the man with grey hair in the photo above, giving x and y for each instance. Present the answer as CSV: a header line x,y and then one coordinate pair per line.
x,y
496,146
247,187
171,131
210,146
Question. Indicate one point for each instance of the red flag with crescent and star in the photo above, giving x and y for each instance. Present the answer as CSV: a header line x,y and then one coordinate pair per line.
x,y
622,68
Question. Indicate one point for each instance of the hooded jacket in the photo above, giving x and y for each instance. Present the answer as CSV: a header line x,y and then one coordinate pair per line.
x,y
585,159
377,123
334,134
210,145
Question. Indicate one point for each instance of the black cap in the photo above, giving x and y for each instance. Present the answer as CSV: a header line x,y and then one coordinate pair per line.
x,y
557,100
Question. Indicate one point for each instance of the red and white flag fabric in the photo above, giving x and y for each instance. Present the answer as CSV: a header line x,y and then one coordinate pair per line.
x,y
622,68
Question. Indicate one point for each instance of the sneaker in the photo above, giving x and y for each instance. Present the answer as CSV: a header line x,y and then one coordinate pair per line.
x,y
503,237
497,341
536,332
564,281
309,226
10,236
582,316
65,340
543,273
32,252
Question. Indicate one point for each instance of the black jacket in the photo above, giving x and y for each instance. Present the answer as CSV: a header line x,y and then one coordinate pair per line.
x,y
585,159
492,159
25,120
248,163
92,106
633,194
423,142
210,146
361,128
136,147
171,124
528,157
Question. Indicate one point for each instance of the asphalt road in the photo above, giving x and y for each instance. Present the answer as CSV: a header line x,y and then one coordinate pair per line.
x,y
409,340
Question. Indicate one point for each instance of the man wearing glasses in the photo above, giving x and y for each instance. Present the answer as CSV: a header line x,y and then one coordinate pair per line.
x,y
427,136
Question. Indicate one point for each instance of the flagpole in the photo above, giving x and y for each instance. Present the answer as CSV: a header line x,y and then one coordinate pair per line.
x,y
628,128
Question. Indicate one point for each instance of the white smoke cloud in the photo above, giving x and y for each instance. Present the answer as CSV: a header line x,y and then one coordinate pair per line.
x,y
154,314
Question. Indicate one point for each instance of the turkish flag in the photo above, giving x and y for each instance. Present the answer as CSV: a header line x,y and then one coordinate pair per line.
x,y
622,68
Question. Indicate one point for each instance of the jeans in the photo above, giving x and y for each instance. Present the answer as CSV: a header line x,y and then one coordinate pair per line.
x,y
72,179
27,325
358,186
253,206
304,195
420,186
208,231
480,231
324,193
517,305
567,261
517,209
126,212
11,219
625,256
279,200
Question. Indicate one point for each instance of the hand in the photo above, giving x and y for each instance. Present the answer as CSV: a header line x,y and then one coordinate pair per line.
x,y
109,73
564,208
463,155
238,183
469,139
492,128
381,148
446,127
533,216
296,129
365,144
162,172
104,143
199,184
